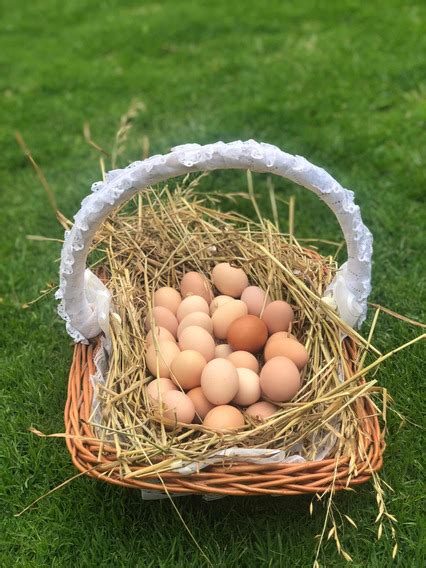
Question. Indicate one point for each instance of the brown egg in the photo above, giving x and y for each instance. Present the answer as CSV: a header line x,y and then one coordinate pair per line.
x,y
161,333
225,315
219,301
163,318
248,388
191,304
196,284
244,359
279,379
198,339
287,348
223,418
278,316
186,369
159,362
199,319
222,351
177,406
261,410
256,300
167,298
157,387
229,280
219,381
247,333
201,404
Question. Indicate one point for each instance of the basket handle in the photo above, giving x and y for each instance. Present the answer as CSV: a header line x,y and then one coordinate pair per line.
x,y
79,301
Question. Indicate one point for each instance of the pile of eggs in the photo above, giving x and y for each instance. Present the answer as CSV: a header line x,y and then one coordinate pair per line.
x,y
219,357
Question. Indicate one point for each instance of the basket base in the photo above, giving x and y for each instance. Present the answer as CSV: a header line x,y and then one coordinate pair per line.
x,y
96,459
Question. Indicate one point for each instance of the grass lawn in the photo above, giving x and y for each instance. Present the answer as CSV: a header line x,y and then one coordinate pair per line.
x,y
342,84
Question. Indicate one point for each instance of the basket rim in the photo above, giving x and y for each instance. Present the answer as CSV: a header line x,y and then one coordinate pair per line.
x,y
101,461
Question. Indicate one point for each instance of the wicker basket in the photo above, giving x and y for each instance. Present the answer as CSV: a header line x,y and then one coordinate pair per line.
x,y
85,322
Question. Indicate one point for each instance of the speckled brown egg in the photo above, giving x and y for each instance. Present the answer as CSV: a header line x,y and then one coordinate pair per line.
x,y
247,333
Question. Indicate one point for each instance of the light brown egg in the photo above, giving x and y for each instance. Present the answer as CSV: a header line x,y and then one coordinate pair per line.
x,y
222,351
229,280
219,301
198,339
248,387
244,359
163,317
278,316
261,410
256,300
201,404
196,284
219,381
223,418
157,387
186,369
279,379
199,319
225,315
161,333
167,351
281,335
287,348
178,407
247,333
167,297
192,304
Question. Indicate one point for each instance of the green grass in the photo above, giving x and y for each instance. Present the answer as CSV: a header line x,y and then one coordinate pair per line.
x,y
342,83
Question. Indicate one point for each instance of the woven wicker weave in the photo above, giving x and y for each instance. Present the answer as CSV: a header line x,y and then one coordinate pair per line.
x,y
235,479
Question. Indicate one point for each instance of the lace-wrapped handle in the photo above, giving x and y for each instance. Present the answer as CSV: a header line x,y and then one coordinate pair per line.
x,y
80,305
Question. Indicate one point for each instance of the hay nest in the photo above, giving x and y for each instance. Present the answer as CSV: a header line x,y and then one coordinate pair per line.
x,y
152,241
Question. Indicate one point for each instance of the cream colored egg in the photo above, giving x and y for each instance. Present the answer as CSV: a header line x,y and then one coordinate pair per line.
x,y
196,284
167,297
256,300
161,333
199,319
279,379
163,317
219,301
178,407
198,339
219,381
201,404
222,350
223,419
156,388
244,359
158,362
186,369
248,388
225,315
278,316
261,410
192,304
229,280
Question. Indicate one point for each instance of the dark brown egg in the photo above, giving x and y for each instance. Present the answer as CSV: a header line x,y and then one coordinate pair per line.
x,y
247,333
